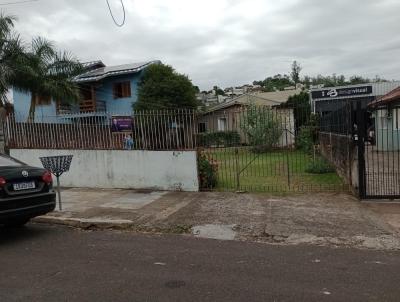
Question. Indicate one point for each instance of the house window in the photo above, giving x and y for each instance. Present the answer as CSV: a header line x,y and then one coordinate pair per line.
x,y
122,90
62,107
86,93
42,100
222,124
382,119
396,118
202,127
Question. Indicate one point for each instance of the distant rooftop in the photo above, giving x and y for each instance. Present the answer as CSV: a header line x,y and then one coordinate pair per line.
x,y
390,97
93,64
258,99
98,70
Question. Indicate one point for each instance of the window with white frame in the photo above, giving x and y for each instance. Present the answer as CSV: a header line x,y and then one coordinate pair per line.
x,y
222,124
382,119
396,118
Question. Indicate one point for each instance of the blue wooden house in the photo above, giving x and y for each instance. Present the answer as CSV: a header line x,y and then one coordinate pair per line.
x,y
106,91
386,115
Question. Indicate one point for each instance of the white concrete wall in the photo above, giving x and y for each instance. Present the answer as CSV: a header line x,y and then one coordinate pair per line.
x,y
160,170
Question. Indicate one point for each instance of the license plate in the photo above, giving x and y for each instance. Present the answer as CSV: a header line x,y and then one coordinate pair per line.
x,y
24,186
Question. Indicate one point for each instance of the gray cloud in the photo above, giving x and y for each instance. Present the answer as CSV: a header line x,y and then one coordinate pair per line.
x,y
225,42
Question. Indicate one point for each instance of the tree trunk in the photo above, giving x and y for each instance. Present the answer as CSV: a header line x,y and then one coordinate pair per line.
x,y
32,108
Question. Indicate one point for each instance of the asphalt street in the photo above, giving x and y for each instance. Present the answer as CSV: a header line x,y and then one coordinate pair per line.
x,y
53,263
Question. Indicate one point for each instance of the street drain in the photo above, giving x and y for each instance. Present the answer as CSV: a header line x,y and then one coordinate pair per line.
x,y
175,283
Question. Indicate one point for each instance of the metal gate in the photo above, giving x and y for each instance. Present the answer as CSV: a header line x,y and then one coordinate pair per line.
x,y
269,148
378,143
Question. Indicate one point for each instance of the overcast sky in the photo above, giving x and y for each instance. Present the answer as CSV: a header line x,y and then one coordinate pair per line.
x,y
225,42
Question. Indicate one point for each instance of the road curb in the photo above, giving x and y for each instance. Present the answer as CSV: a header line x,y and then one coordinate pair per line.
x,y
111,224
85,223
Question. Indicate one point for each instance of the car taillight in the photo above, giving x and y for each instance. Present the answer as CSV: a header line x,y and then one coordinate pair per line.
x,y
2,181
47,178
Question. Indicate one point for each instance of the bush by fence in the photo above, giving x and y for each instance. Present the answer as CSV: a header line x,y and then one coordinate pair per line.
x,y
207,169
319,165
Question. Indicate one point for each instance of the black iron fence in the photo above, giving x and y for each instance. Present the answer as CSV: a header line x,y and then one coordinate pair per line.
x,y
142,130
379,152
263,149
249,148
362,140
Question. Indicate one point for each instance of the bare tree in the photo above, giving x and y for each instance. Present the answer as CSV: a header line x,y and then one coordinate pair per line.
x,y
295,73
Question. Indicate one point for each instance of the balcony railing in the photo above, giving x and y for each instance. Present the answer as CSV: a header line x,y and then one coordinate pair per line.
x,y
83,106
92,106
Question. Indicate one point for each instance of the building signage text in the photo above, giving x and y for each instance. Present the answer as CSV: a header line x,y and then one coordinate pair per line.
x,y
341,92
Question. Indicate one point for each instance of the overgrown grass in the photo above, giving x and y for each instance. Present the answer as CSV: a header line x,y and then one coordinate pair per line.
x,y
282,170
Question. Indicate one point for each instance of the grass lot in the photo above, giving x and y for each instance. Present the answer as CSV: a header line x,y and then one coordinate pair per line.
x,y
272,171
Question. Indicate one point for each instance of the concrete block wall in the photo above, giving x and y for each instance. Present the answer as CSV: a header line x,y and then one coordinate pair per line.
x,y
130,169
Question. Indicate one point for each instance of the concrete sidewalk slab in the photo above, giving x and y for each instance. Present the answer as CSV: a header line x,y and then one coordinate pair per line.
x,y
388,210
133,200
80,200
326,218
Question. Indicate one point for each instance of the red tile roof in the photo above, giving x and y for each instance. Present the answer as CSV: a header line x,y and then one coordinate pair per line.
x,y
388,98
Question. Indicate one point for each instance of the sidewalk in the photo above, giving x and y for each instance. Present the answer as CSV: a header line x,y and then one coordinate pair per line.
x,y
324,219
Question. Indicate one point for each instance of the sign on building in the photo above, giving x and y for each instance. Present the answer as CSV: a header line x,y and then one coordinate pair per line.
x,y
341,92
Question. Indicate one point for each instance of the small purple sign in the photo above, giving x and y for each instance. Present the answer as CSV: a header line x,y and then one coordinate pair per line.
x,y
121,124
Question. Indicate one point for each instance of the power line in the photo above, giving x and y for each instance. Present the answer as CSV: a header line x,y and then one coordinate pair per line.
x,y
17,2
112,16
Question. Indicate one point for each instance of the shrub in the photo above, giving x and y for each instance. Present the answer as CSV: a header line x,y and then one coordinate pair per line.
x,y
208,169
219,139
305,139
307,135
319,166
262,127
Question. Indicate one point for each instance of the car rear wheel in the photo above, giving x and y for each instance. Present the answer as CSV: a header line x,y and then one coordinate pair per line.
x,y
15,223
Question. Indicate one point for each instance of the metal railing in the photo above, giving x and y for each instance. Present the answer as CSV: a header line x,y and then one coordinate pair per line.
x,y
149,130
82,107
263,149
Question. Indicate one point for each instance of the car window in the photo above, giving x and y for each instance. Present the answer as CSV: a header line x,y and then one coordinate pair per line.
x,y
8,161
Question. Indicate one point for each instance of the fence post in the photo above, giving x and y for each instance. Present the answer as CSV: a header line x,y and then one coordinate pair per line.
x,y
330,146
361,151
237,169
287,156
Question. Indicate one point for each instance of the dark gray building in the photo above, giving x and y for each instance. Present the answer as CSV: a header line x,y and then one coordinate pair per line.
x,y
328,99
337,105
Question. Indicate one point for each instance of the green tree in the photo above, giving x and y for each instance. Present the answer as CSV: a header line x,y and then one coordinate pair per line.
x,y
356,79
300,103
295,73
277,82
340,80
11,51
218,91
262,127
40,70
161,87
48,74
